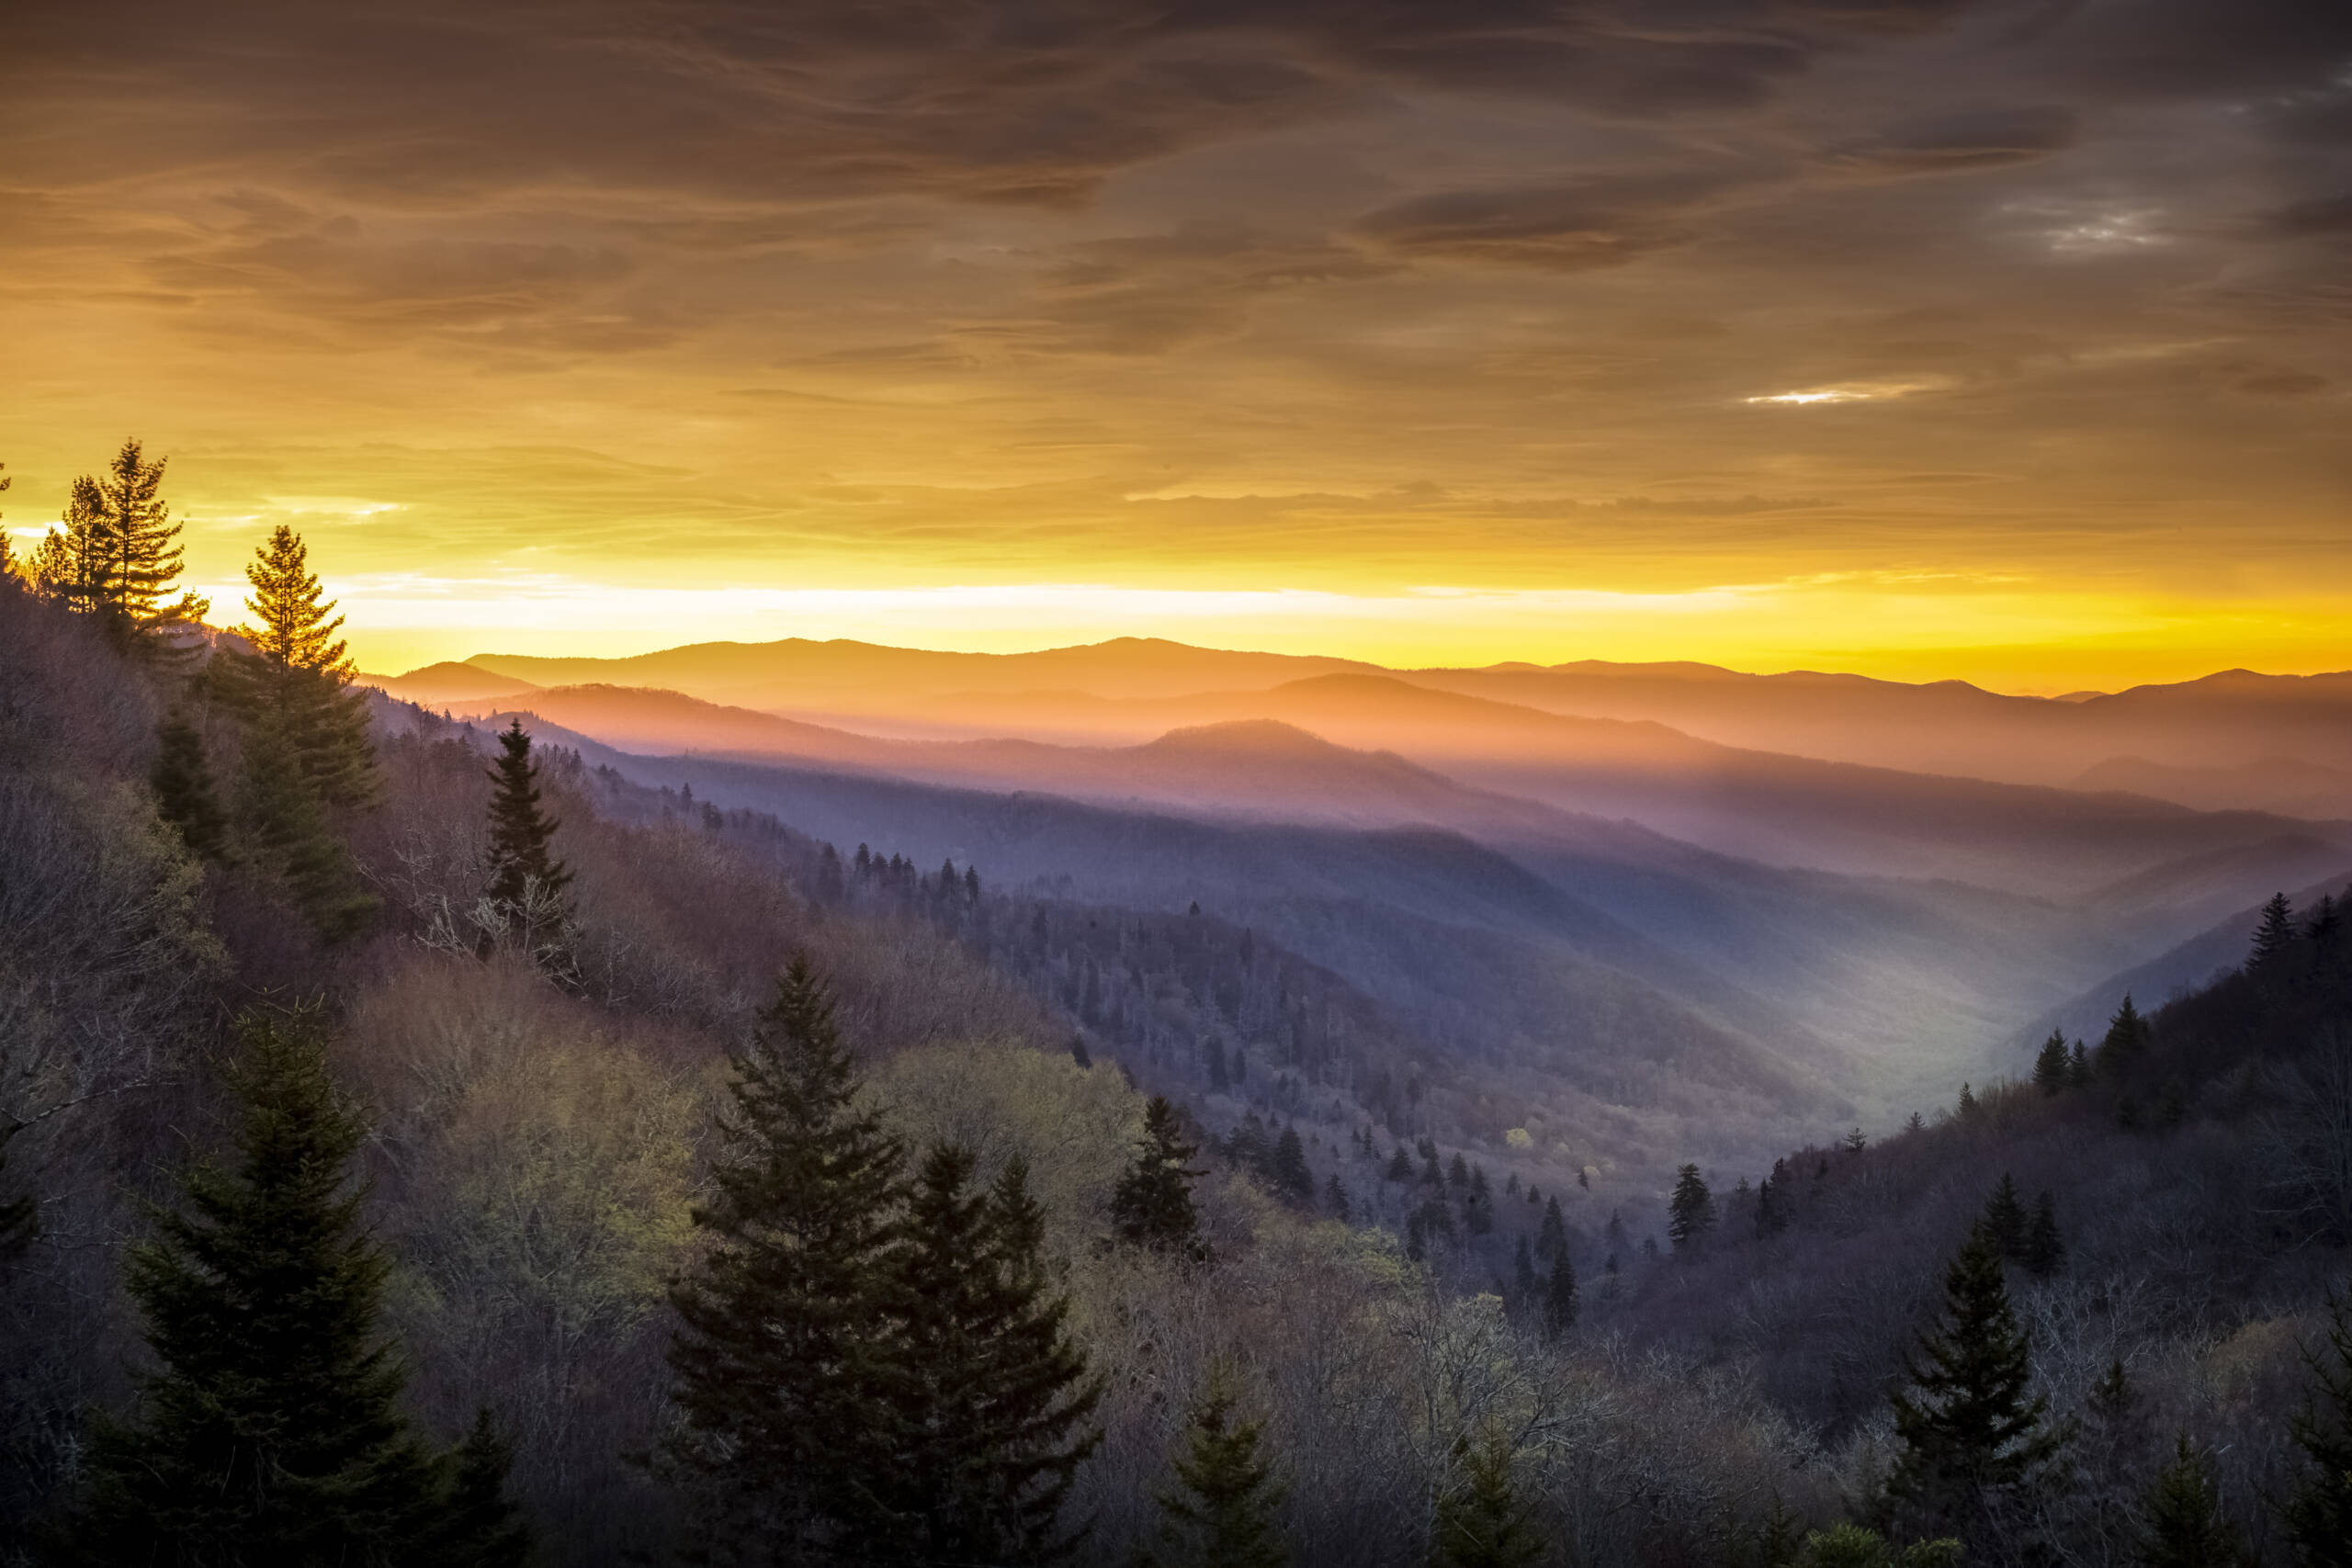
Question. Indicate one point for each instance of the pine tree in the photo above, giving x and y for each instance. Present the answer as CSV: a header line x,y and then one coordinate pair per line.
x,y
2050,1074
1560,1297
115,555
2326,928
184,796
1288,1170
1481,1523
268,1429
1335,1199
2274,936
282,822
993,1398
2078,1066
298,677
2126,1040
1692,1210
1855,1142
1523,1276
1458,1173
2185,1527
1222,1511
1967,1103
781,1352
2005,1219
2319,1515
2044,1251
1772,1200
1478,1205
1968,1427
480,1526
1552,1235
524,873
1153,1206
1400,1167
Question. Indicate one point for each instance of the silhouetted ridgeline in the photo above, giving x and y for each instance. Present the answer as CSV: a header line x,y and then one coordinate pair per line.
x,y
538,1058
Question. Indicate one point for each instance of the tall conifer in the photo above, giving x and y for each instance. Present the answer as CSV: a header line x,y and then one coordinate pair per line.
x,y
2050,1073
268,1429
993,1402
1481,1522
2274,936
1560,1297
1690,1212
297,679
1153,1206
1222,1510
2319,1515
2125,1041
2185,1526
184,796
1970,1428
522,860
782,1355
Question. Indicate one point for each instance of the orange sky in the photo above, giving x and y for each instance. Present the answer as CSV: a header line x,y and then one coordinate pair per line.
x,y
1911,341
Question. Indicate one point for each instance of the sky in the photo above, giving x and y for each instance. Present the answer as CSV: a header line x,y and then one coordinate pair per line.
x,y
2006,341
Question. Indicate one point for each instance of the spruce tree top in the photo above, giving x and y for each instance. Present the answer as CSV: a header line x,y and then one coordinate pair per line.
x,y
2274,934
519,830
1692,1210
1153,1206
293,632
1222,1511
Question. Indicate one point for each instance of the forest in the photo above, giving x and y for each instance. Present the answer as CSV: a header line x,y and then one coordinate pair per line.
x,y
421,1146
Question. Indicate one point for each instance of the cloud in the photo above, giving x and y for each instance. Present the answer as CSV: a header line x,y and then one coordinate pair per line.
x,y
1960,143
1572,226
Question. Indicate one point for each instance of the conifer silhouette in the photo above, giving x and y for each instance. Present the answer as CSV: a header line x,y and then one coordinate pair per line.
x,y
1560,1297
2186,1528
1968,1426
268,1429
1481,1523
1153,1206
297,679
1221,1513
184,796
1690,1210
521,862
781,1353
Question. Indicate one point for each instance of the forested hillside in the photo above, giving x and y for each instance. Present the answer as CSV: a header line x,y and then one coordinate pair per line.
x,y
426,1146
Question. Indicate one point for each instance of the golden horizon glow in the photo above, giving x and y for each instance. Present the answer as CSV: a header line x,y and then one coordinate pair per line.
x,y
1612,343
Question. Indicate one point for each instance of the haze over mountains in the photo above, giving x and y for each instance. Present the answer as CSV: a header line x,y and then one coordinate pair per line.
x,y
1821,898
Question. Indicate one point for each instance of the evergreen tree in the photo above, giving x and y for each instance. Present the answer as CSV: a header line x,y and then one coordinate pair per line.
x,y
286,828
524,871
1560,1297
1772,1200
1288,1170
1222,1511
992,1397
2049,1070
1400,1167
298,677
2078,1066
185,796
1152,1205
2005,1219
781,1352
1522,1275
2044,1252
480,1526
1479,1206
2274,936
1692,1210
1458,1173
1967,1104
2326,928
1335,1200
115,555
1481,1523
2319,1515
1968,1425
1855,1546
2185,1527
1552,1235
269,1428
2126,1039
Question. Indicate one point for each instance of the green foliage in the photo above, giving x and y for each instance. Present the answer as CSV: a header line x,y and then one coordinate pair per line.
x,y
1153,1204
522,864
2319,1515
184,796
1481,1523
297,679
1690,1212
2185,1527
781,1356
480,1526
287,830
1854,1546
990,1393
1969,1427
268,1429
1222,1511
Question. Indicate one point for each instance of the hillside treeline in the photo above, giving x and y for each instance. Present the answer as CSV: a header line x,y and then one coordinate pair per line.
x,y
411,1156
